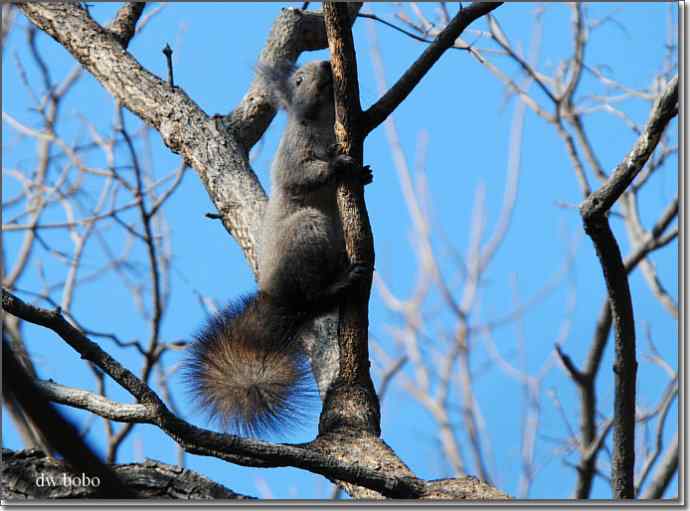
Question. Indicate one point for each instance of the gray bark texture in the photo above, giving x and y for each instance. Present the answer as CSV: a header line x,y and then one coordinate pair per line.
x,y
31,475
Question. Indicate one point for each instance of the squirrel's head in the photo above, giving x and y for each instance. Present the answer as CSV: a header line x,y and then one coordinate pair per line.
x,y
306,93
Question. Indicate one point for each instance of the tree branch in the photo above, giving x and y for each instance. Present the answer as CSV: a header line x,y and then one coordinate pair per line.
x,y
124,24
207,145
22,470
378,112
353,391
664,109
60,434
101,406
293,32
199,441
586,467
594,211
664,473
625,364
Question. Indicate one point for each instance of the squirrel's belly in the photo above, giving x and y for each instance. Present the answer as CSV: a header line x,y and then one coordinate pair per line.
x,y
302,253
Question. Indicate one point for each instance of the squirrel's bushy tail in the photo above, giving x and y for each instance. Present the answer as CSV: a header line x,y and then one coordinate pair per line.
x,y
247,370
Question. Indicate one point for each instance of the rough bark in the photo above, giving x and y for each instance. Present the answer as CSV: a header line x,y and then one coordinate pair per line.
x,y
155,480
352,400
30,474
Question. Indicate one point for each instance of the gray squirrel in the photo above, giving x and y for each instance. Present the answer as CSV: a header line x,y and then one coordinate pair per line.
x,y
246,368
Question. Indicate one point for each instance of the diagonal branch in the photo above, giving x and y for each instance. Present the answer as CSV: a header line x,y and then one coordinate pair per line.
x,y
184,127
664,474
61,435
664,109
195,440
101,406
378,112
124,24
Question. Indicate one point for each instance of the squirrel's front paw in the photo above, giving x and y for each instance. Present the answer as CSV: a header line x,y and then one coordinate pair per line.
x,y
345,166
343,163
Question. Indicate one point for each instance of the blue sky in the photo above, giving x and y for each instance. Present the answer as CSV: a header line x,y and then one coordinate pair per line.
x,y
466,115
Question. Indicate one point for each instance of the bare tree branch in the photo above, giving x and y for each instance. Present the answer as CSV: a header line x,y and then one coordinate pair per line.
x,y
60,433
8,13
206,144
353,390
662,411
664,473
378,112
124,24
585,378
99,405
199,441
664,109
594,210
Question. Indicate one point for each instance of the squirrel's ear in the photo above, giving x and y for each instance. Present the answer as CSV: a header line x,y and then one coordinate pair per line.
x,y
275,79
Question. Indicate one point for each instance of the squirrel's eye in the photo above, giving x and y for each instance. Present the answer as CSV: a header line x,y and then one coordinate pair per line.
x,y
298,81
